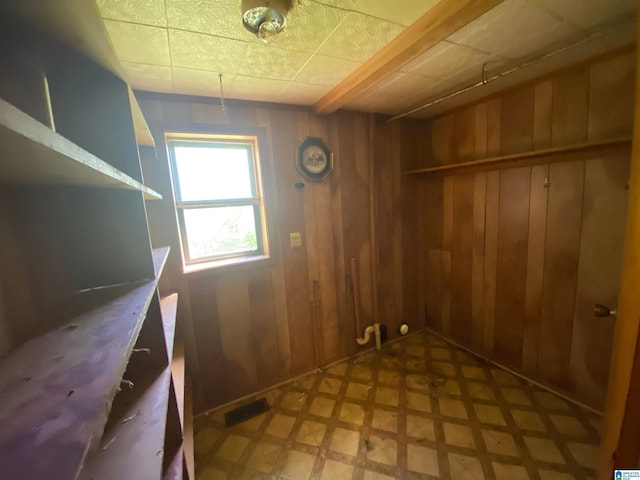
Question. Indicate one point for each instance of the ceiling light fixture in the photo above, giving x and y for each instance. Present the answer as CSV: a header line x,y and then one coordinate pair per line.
x,y
265,18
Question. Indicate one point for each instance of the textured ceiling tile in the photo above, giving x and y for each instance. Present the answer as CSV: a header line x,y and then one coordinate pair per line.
x,y
138,43
359,37
588,13
148,12
215,17
405,84
265,60
307,27
261,89
405,12
302,94
322,70
205,52
447,60
188,81
514,29
154,78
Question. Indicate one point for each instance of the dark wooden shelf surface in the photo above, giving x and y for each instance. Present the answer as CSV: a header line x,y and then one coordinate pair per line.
x,y
32,153
56,390
545,155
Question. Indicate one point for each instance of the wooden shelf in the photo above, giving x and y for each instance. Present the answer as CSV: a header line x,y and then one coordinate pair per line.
x,y
187,431
32,153
56,390
546,155
160,256
169,309
133,442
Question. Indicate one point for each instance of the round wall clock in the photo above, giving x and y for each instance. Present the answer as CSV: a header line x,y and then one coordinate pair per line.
x,y
314,160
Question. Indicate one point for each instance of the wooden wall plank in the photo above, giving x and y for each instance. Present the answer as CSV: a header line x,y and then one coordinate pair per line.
x,y
494,127
600,265
433,215
264,333
516,133
463,141
441,139
513,225
397,174
542,111
535,268
213,374
490,261
447,232
478,259
570,107
234,321
294,260
610,109
560,272
461,258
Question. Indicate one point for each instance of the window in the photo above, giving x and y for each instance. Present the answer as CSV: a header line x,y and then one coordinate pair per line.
x,y
219,203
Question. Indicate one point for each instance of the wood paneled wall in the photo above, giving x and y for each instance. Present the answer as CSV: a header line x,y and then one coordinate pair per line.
x,y
250,327
512,261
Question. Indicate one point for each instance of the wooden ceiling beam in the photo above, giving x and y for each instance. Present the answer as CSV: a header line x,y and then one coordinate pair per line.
x,y
438,23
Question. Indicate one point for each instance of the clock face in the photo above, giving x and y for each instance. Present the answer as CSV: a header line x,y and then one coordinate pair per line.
x,y
314,159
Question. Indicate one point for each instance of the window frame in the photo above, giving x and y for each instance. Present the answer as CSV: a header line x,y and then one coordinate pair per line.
x,y
250,142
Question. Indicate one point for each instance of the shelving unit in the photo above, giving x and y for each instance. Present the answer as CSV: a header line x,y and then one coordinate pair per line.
x,y
544,155
92,380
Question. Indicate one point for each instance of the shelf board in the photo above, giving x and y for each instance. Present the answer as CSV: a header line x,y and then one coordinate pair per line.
x,y
133,442
32,153
169,309
56,391
160,256
546,155
140,127
187,431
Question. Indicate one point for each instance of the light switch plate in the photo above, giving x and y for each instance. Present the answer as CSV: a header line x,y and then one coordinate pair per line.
x,y
295,239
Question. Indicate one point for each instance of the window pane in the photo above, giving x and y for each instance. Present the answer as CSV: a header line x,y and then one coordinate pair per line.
x,y
220,231
213,172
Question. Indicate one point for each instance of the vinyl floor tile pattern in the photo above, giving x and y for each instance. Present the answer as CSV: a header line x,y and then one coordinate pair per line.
x,y
419,409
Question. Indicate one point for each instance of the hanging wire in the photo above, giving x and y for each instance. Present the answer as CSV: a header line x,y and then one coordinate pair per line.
x,y
225,112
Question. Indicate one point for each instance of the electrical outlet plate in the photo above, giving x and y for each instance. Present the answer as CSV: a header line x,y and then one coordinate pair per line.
x,y
295,239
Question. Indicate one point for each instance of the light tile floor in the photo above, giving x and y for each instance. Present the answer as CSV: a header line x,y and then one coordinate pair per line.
x,y
420,409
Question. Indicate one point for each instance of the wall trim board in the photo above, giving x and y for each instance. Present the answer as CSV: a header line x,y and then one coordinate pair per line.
x,y
564,395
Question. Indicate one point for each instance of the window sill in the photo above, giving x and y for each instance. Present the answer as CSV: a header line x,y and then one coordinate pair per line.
x,y
238,263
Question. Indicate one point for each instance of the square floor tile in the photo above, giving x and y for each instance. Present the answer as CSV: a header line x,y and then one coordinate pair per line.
x,y
445,369
336,470
480,391
567,425
464,467
420,428
450,387
204,439
584,453
253,423
440,353
264,457
418,401
371,475
422,460
280,426
475,373
339,369
311,433
361,372
389,377
323,407
515,396
382,450
551,401
232,448
385,420
528,420
544,450
416,350
500,442
505,378
452,408
551,475
298,466
213,474
294,401
330,386
417,382
345,441
489,414
458,435
352,413
509,472
387,396
359,391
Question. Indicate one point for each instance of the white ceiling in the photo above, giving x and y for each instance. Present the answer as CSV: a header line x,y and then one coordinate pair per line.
x,y
180,46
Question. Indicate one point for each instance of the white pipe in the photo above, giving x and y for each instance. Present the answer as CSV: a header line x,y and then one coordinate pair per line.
x,y
375,329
